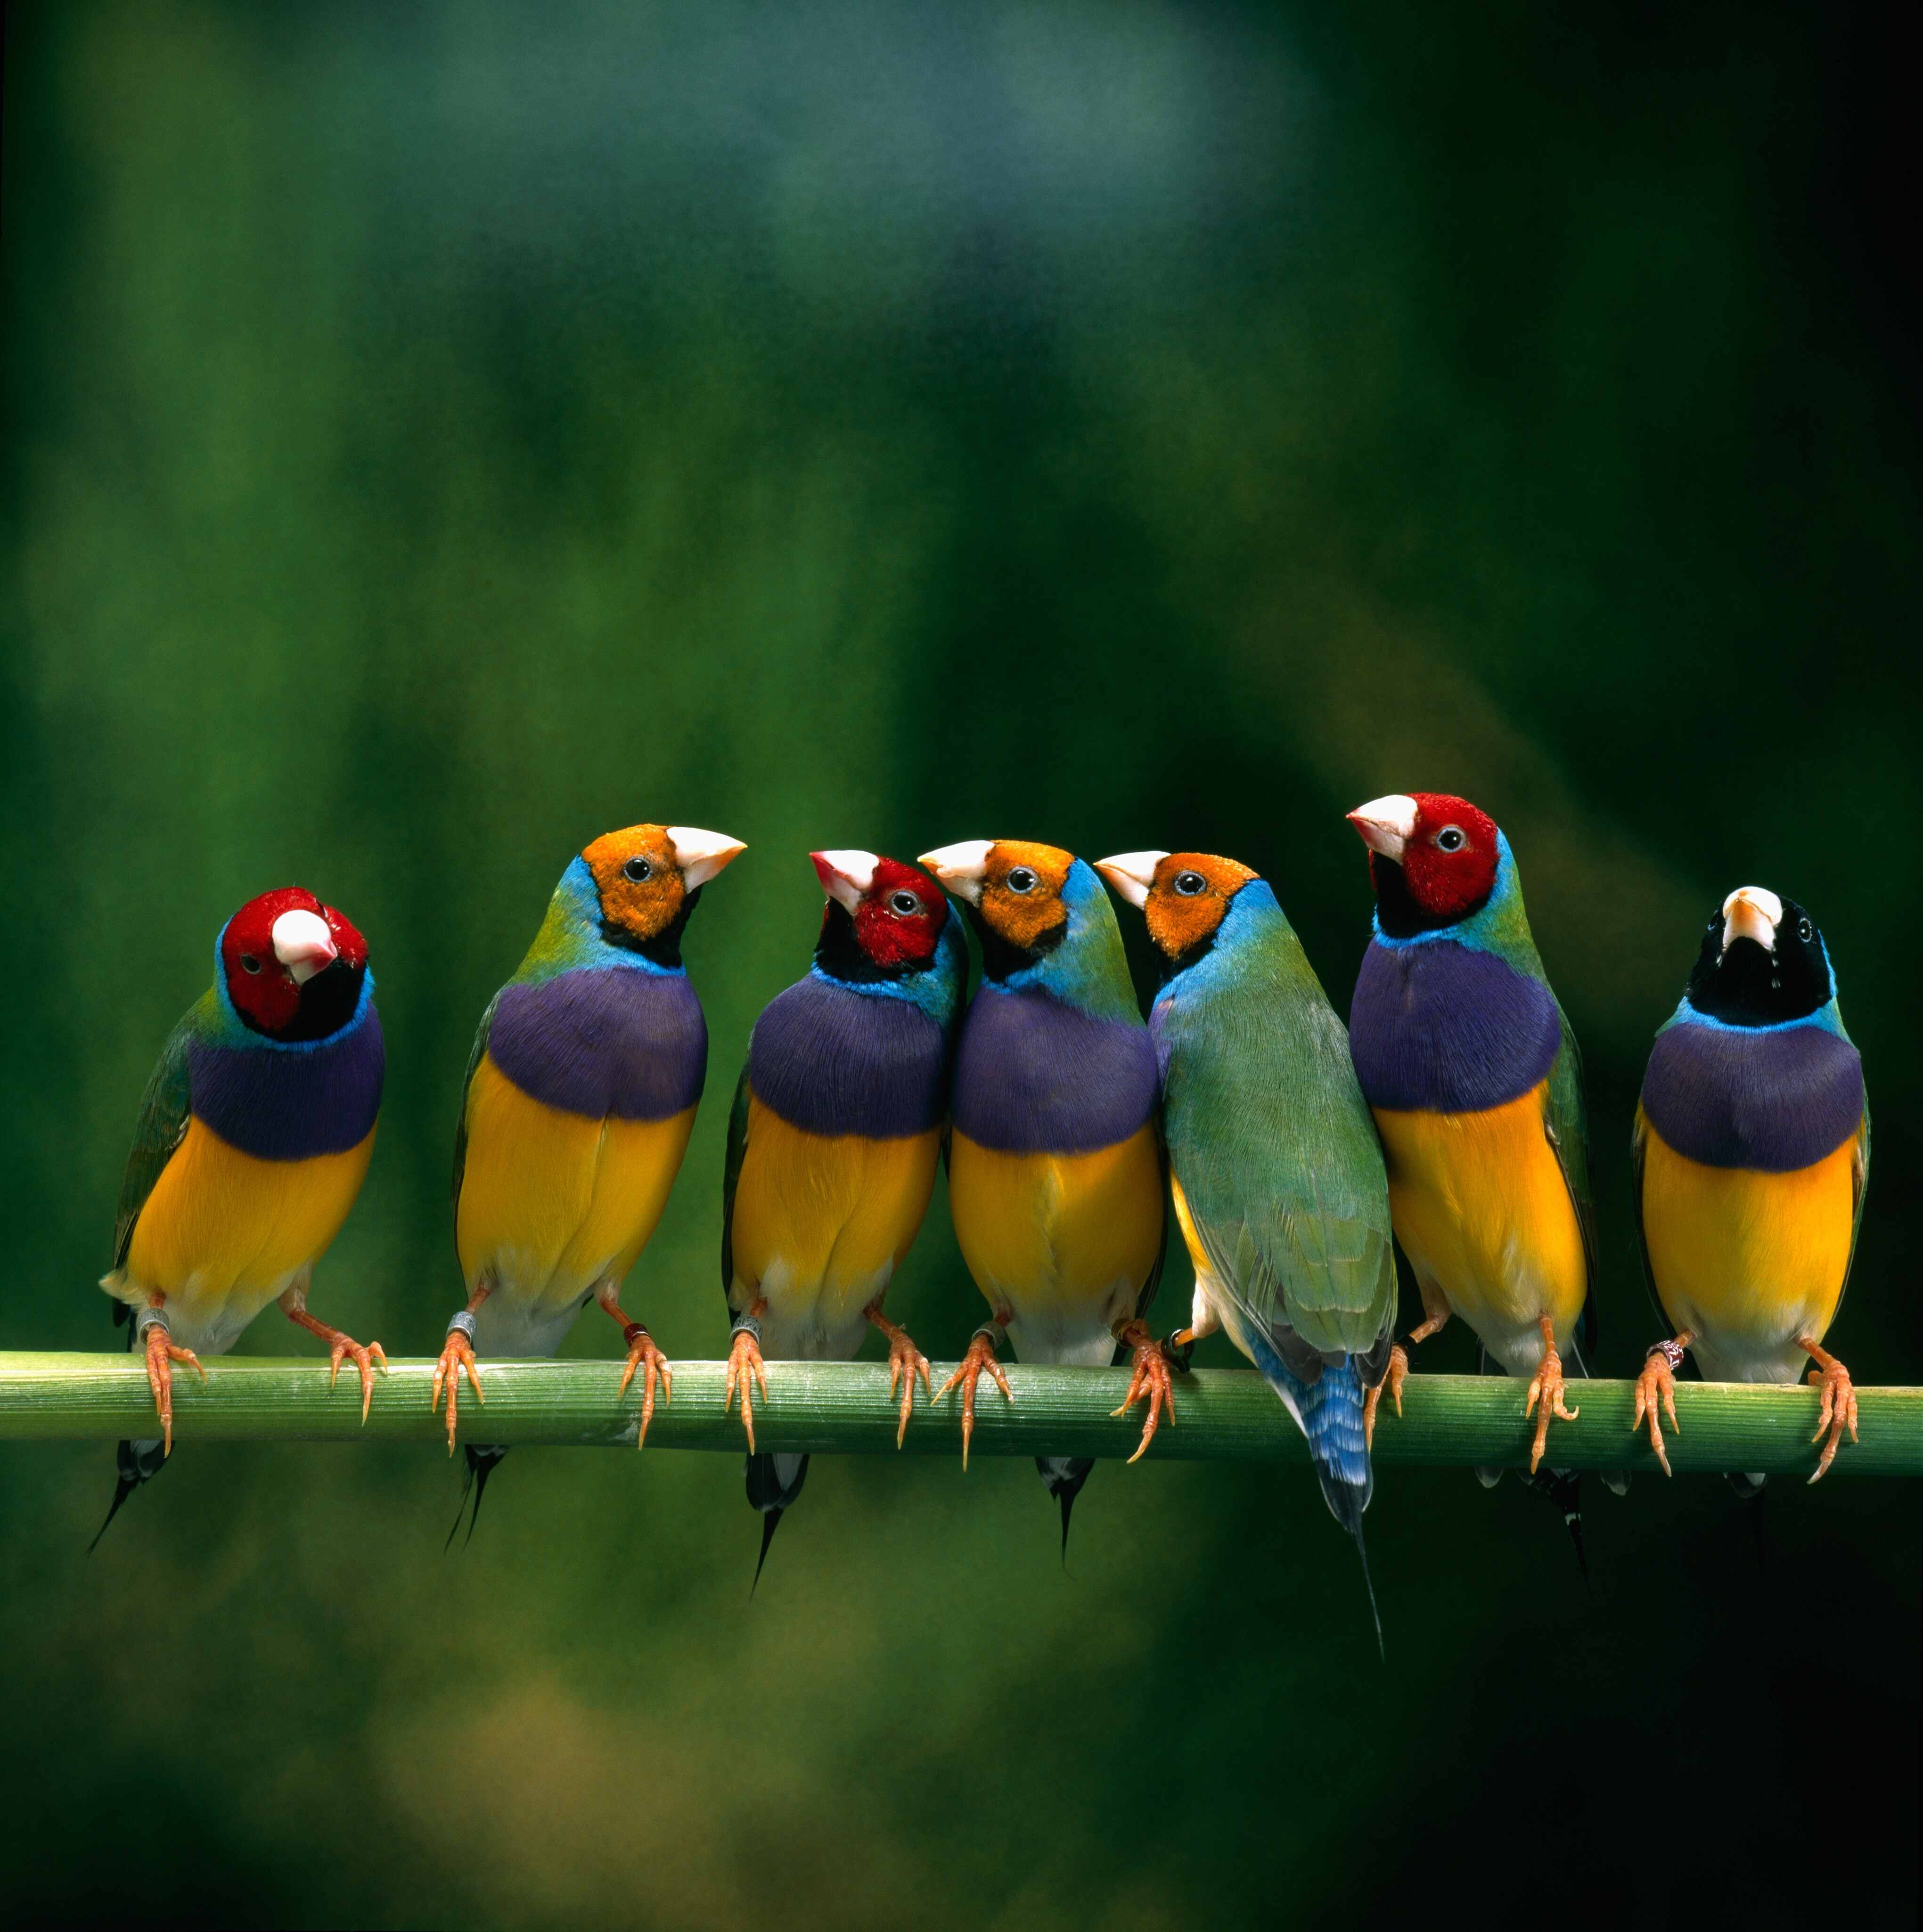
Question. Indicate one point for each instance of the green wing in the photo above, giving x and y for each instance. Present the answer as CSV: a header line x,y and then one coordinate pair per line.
x,y
1145,1300
1567,1125
1281,1173
1638,1148
1859,1175
486,1027
165,1107
731,1176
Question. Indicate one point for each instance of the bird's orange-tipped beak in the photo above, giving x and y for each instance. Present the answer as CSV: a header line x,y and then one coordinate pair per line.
x,y
961,866
1131,873
303,945
700,854
1387,824
845,875
1751,912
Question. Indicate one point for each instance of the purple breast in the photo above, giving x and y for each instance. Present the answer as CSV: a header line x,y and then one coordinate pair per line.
x,y
292,1103
1775,1101
829,1060
1035,1076
1449,1029
609,1042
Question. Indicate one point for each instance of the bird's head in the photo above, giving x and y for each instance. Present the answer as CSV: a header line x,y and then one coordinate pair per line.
x,y
1763,962
1017,893
883,919
1432,858
648,878
293,967
1184,895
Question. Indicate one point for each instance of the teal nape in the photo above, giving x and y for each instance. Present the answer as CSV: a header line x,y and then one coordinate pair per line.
x,y
844,1409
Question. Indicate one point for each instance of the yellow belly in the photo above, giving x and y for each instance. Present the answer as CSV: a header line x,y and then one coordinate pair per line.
x,y
1061,1243
822,1221
224,1232
553,1203
1482,1211
1747,1261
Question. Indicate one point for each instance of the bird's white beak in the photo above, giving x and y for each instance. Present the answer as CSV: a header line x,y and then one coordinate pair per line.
x,y
303,945
845,876
1131,873
1751,912
1387,824
700,854
960,866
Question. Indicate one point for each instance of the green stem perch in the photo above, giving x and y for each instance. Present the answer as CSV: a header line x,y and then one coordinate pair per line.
x,y
843,1409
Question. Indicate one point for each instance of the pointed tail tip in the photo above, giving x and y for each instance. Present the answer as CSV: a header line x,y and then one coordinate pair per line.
x,y
1067,1499
1347,1500
123,1488
482,1460
770,1523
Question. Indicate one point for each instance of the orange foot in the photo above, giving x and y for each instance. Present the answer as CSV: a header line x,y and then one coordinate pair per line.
x,y
1546,1387
161,1355
980,1356
643,1354
1393,1377
457,1354
906,1361
1151,1378
1838,1405
1658,1383
339,1346
745,1367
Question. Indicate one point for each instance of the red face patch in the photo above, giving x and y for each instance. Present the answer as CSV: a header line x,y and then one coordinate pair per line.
x,y
265,993
900,919
1450,862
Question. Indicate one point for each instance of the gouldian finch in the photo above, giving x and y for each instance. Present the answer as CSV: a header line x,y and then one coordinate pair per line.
x,y
1055,1181
254,1135
1474,1076
1752,1152
580,1095
1277,1173
833,1143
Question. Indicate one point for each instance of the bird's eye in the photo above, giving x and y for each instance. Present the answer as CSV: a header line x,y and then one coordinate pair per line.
x,y
1021,879
1805,931
904,903
1188,883
637,869
1450,839
248,963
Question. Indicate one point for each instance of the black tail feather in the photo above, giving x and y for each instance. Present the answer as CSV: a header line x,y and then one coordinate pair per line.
x,y
1753,1491
770,1523
773,1482
1064,1476
1563,1488
482,1460
1347,1501
135,1464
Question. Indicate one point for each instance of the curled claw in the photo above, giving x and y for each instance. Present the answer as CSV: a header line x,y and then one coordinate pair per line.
x,y
1393,1377
980,1357
642,1353
1838,1411
1657,1383
745,1367
906,1361
1150,1377
161,1354
1546,1386
364,1358
456,1355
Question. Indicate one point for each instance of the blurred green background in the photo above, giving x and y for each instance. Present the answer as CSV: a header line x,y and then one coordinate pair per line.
x,y
435,435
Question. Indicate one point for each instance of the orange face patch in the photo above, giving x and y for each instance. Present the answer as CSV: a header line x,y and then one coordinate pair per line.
x,y
1189,897
638,881
1025,912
